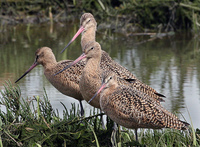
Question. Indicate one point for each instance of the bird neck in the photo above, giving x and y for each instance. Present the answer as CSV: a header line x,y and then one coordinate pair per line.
x,y
112,87
49,63
108,92
88,36
90,81
92,65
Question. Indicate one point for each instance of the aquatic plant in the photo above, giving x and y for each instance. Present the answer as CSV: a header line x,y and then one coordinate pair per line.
x,y
33,122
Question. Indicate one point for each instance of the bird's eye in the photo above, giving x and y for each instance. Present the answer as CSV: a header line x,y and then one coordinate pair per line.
x,y
92,48
110,78
37,56
88,21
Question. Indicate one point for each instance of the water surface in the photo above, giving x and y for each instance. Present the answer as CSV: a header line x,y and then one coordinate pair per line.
x,y
169,64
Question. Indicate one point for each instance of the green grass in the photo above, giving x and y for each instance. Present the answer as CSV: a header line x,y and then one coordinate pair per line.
x,y
24,124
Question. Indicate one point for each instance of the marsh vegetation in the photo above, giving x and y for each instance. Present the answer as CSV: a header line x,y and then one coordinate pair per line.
x,y
33,122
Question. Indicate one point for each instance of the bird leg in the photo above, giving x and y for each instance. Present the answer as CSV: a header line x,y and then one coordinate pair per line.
x,y
103,125
136,136
82,110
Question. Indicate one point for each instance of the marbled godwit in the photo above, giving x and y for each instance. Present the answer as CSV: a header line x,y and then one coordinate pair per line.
x,y
131,108
67,82
91,74
88,26
90,79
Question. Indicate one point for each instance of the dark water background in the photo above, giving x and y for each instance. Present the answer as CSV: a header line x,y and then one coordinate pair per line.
x,y
169,64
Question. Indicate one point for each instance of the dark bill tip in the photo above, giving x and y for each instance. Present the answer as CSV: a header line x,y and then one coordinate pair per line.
x,y
81,29
32,66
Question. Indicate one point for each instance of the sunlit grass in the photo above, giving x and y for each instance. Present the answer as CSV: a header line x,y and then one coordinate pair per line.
x,y
24,124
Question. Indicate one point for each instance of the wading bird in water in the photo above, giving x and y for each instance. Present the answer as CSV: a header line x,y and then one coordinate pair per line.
x,y
88,26
133,109
91,74
67,82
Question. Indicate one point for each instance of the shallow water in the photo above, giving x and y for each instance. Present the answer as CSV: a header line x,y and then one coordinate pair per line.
x,y
169,64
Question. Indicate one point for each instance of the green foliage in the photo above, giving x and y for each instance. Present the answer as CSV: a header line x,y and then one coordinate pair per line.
x,y
172,14
24,125
166,137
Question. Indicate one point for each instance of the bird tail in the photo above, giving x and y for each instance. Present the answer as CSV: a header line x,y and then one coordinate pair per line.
x,y
185,125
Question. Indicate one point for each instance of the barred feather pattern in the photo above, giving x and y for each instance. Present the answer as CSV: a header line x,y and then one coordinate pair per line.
x,y
67,82
91,76
107,63
133,109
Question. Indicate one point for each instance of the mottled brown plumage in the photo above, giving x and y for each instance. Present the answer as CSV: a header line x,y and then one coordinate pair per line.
x,y
91,74
88,26
134,109
66,82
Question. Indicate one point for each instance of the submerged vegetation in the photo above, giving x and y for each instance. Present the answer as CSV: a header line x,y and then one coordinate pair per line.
x,y
33,122
133,15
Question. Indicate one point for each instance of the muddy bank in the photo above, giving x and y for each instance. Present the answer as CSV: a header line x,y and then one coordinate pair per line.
x,y
127,16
